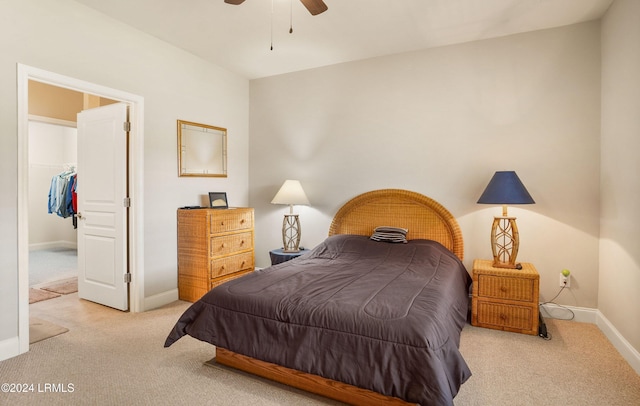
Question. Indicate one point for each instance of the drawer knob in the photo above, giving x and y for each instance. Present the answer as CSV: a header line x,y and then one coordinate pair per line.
x,y
243,262
242,242
242,221
503,289
222,268
503,317
222,223
223,245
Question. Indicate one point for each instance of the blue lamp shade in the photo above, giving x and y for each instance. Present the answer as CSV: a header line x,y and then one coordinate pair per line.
x,y
505,188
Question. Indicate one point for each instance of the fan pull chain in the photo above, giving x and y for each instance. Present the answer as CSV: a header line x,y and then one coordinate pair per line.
x,y
291,18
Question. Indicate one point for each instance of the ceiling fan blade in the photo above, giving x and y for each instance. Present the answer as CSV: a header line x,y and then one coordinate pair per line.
x,y
315,7
236,2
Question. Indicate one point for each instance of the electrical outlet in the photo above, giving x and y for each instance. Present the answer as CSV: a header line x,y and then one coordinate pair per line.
x,y
565,281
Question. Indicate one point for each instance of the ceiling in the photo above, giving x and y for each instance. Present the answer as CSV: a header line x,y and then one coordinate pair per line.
x,y
238,38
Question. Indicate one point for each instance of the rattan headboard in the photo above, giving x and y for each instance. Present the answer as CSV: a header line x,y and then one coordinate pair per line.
x,y
422,216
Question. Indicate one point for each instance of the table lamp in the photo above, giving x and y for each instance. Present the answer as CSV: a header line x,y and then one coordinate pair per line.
x,y
291,193
505,188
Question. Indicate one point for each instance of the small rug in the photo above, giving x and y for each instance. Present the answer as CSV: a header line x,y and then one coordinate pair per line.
x,y
63,287
41,330
37,295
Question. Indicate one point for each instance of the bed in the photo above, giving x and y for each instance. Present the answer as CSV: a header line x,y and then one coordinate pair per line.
x,y
357,320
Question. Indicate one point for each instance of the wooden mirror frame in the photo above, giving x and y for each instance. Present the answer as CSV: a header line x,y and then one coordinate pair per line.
x,y
202,150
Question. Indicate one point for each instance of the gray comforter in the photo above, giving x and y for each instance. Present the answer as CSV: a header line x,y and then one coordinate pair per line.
x,y
381,316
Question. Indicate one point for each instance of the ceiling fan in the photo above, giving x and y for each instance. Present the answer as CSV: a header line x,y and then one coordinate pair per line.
x,y
315,7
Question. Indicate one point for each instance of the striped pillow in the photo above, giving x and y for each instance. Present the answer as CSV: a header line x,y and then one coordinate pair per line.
x,y
390,234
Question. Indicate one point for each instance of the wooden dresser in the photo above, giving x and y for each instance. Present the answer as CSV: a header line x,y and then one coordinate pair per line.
x,y
505,299
214,246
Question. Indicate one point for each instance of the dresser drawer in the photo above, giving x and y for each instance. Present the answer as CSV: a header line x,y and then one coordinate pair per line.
x,y
506,316
219,281
231,264
231,243
230,220
508,288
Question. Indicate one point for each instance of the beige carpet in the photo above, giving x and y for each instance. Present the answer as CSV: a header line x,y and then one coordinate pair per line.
x,y
578,366
116,358
41,330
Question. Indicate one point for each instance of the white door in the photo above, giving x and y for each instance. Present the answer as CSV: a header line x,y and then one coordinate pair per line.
x,y
102,211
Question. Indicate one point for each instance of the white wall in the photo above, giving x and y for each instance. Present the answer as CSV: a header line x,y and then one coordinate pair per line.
x,y
72,40
619,279
441,122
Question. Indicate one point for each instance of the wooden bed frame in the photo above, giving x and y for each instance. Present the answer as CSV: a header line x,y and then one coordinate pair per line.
x,y
424,218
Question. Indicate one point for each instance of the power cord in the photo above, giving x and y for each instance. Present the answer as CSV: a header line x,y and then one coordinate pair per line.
x,y
560,306
556,296
542,329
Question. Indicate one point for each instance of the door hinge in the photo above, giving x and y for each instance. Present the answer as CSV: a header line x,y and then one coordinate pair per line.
x,y
126,202
127,278
127,126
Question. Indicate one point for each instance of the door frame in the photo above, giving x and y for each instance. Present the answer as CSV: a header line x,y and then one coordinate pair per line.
x,y
135,233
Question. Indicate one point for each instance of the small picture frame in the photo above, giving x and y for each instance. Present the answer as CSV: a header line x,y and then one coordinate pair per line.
x,y
218,200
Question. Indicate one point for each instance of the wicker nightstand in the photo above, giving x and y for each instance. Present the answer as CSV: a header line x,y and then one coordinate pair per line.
x,y
505,299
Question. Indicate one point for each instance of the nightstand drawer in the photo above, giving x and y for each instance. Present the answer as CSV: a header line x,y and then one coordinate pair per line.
x,y
508,317
501,287
231,243
231,264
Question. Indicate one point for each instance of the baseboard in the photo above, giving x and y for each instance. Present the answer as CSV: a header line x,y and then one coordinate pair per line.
x,y
159,300
580,314
619,342
9,348
53,244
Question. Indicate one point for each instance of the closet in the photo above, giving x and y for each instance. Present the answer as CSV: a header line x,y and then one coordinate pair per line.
x,y
52,237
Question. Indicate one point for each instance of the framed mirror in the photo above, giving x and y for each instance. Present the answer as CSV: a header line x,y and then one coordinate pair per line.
x,y
202,150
